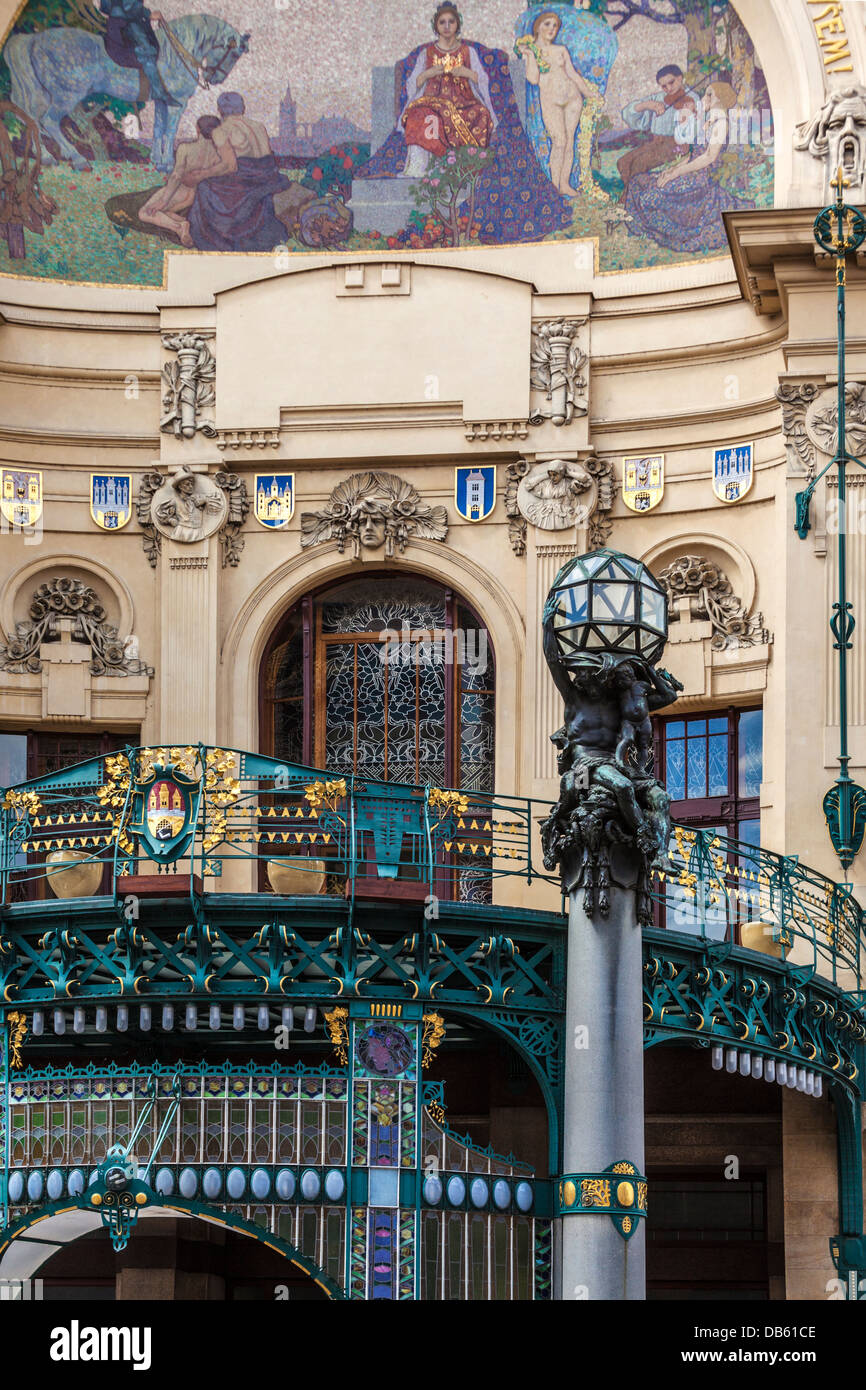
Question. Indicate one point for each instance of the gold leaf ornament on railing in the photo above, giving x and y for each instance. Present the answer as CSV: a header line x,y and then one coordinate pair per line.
x,y
26,802
326,795
112,796
221,790
446,803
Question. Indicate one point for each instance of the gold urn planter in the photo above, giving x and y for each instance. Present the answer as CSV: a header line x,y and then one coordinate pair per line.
x,y
296,875
766,937
73,874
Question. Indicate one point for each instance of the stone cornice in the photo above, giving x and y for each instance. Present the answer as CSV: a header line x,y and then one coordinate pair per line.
x,y
79,439
765,241
83,377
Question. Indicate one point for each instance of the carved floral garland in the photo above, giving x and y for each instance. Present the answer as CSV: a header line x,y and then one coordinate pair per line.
x,y
69,598
692,575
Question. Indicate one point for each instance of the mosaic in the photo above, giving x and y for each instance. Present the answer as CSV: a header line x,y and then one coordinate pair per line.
x,y
286,127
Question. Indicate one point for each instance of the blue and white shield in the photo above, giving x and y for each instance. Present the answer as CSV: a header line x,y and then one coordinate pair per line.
x,y
275,499
111,500
475,492
733,471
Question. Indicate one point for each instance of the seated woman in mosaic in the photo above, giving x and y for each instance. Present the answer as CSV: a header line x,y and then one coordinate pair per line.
x,y
456,95
681,207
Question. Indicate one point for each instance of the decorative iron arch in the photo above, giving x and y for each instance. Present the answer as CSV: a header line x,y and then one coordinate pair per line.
x,y
199,1210
538,1041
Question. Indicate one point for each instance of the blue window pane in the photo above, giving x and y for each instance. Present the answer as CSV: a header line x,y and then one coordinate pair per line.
x,y
574,602
751,729
718,726
718,774
675,728
696,777
697,726
749,831
675,766
13,759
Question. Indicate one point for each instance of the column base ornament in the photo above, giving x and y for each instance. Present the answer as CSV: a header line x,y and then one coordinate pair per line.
x,y
619,1192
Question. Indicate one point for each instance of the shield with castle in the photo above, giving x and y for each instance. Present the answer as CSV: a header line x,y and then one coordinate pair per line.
x,y
165,802
275,499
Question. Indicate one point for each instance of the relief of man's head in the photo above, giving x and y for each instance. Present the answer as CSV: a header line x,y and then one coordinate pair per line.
x,y
183,481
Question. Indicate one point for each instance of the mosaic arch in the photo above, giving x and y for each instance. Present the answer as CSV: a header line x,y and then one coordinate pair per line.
x,y
126,131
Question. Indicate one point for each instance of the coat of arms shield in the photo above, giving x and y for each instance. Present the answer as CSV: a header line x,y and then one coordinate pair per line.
x,y
643,481
275,499
21,496
475,492
165,796
111,500
733,471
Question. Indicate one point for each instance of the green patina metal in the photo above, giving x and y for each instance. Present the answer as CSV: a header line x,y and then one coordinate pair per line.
x,y
713,992
618,1191
447,942
120,1189
202,1210
840,230
386,1121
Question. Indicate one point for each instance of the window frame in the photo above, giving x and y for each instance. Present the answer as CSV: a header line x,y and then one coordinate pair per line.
x,y
110,741
314,646
731,809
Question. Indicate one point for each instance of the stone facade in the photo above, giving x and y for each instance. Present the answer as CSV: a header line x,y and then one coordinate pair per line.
x,y
409,363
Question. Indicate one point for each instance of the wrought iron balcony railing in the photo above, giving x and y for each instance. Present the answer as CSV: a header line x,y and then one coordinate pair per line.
x,y
195,822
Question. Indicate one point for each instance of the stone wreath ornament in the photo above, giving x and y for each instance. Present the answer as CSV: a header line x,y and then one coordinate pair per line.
x,y
694,576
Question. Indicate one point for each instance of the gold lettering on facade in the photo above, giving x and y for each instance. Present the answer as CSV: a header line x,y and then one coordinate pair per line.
x,y
827,24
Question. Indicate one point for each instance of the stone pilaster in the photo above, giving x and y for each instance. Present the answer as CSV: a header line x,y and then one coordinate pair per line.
x,y
190,641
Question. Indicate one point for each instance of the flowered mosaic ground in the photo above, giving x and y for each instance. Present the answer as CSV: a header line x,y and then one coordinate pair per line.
x,y
81,226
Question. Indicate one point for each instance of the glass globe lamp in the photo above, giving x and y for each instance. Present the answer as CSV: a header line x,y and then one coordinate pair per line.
x,y
606,602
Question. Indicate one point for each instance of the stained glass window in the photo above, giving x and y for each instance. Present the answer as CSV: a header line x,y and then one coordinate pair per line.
x,y
396,684
712,766
750,751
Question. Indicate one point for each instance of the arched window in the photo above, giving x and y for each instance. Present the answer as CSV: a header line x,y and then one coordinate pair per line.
x,y
387,677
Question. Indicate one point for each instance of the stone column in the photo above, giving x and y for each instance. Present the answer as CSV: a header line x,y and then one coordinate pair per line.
x,y
603,1123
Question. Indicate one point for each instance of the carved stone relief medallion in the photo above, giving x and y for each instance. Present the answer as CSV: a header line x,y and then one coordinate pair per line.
x,y
188,507
555,495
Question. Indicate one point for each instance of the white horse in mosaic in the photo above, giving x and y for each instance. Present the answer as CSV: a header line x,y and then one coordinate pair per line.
x,y
55,69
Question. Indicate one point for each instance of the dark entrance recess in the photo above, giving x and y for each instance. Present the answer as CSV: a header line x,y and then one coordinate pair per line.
x,y
714,1165
174,1260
